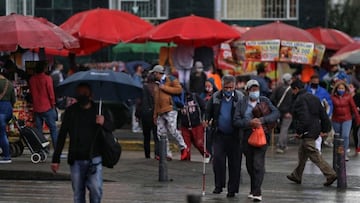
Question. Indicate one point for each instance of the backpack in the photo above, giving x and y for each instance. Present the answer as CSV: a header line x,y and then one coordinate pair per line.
x,y
178,99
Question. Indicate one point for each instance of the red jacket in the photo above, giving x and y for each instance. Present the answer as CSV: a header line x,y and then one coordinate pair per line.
x,y
42,92
344,108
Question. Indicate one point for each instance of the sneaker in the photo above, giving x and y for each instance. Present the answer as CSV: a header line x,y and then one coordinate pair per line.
x,y
328,144
257,198
185,154
292,178
230,194
279,151
330,180
346,158
5,161
250,196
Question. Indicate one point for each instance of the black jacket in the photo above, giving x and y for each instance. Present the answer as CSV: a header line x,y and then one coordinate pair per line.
x,y
309,116
81,127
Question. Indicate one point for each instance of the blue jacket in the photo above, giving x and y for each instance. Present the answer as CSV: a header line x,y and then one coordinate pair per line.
x,y
322,94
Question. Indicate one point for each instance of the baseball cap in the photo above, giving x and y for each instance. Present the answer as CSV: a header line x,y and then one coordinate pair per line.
x,y
158,69
251,83
199,64
287,77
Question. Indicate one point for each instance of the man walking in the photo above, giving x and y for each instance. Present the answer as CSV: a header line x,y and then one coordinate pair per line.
x,y
43,98
226,142
165,112
82,123
310,120
282,99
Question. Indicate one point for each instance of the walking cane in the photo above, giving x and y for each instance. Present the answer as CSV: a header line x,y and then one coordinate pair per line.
x,y
204,164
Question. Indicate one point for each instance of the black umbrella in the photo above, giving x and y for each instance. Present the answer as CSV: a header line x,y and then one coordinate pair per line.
x,y
106,85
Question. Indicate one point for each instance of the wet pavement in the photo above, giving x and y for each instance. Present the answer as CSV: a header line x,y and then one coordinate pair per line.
x,y
135,179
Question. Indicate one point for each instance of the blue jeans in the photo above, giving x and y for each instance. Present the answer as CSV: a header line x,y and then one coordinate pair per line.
x,y
87,174
5,115
343,129
50,119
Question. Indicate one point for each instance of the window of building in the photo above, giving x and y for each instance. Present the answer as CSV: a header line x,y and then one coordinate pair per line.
x,y
24,7
260,9
148,9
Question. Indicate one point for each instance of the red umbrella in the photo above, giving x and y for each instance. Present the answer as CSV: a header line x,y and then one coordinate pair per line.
x,y
345,52
241,29
331,38
191,30
29,32
280,31
101,27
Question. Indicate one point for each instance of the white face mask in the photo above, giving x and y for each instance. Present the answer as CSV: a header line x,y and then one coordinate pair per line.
x,y
254,95
209,89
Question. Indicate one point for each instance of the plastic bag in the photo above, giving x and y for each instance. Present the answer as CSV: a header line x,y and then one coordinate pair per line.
x,y
257,137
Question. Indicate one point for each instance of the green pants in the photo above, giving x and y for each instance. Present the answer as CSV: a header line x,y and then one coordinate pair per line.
x,y
307,150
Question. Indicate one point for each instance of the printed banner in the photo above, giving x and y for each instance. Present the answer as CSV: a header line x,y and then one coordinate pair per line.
x,y
296,52
267,50
319,51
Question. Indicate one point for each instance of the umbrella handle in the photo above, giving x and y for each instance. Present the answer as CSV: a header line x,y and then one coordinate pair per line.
x,y
100,106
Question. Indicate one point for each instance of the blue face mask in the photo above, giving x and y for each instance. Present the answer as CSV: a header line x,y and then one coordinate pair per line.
x,y
254,95
341,92
228,94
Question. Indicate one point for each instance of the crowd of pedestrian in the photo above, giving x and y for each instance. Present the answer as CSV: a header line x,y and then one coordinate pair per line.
x,y
218,114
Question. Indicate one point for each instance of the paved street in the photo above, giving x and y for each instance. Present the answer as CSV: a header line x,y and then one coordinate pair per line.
x,y
135,179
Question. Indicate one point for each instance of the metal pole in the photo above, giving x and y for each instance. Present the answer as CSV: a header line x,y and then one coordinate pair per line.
x,y
339,161
217,10
163,174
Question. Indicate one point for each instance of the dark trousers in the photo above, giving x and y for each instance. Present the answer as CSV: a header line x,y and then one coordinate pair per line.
x,y
227,147
255,165
149,127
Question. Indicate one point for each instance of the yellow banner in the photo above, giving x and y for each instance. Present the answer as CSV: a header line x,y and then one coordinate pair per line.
x,y
296,52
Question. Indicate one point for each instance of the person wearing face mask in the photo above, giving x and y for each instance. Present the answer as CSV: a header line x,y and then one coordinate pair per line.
x,y
210,88
315,89
254,111
81,122
225,139
344,108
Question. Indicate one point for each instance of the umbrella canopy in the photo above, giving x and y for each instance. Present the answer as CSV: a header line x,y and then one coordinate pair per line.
x,y
241,29
29,32
344,53
105,84
280,31
131,65
101,27
332,39
191,30
148,47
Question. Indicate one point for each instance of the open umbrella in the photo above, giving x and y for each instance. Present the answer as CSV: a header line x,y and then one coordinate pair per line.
x,y
131,65
279,42
348,53
332,39
29,32
147,47
100,27
190,30
105,84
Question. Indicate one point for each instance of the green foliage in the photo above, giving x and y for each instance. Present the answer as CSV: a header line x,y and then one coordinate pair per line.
x,y
345,17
